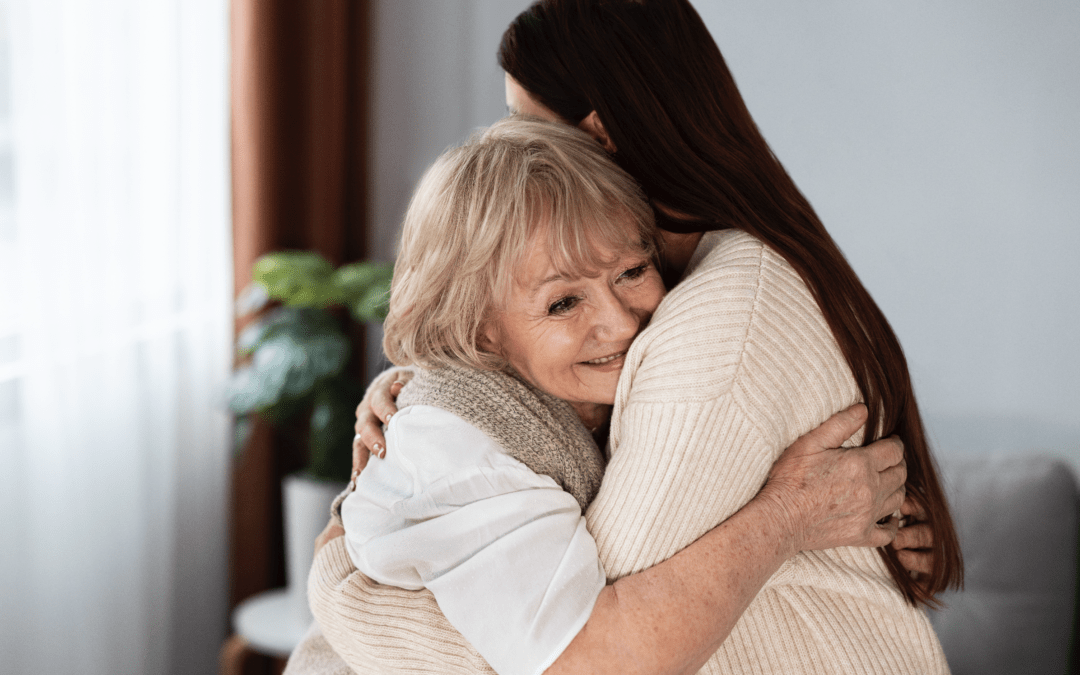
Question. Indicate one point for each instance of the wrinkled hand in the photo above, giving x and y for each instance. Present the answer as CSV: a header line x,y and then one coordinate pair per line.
x,y
375,409
331,531
914,541
831,497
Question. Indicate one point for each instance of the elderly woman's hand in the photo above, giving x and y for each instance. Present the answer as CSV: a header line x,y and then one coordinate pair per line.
x,y
829,497
376,408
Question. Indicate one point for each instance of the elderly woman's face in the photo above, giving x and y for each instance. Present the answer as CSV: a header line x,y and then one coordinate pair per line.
x,y
568,335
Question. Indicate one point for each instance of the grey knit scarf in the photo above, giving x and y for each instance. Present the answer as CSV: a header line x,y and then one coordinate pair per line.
x,y
537,429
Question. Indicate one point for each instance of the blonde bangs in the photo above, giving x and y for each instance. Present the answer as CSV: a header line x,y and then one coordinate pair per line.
x,y
578,236
581,204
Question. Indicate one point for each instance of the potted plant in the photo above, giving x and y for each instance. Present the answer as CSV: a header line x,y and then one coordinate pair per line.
x,y
292,363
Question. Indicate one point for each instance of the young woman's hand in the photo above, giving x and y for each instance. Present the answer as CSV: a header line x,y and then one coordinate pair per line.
x,y
376,409
915,540
828,496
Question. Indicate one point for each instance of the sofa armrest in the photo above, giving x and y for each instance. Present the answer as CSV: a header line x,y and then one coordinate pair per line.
x,y
1018,522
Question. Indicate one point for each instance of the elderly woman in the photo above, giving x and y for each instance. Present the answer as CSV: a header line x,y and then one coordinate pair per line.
x,y
525,273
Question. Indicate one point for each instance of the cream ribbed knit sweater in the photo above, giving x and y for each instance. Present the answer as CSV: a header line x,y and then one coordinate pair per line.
x,y
737,363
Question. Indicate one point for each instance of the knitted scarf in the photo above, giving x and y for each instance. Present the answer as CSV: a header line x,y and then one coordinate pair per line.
x,y
535,428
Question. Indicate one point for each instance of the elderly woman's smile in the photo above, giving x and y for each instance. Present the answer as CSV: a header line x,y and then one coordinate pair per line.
x,y
567,333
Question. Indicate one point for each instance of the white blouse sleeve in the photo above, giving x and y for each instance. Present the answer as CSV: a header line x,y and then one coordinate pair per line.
x,y
503,549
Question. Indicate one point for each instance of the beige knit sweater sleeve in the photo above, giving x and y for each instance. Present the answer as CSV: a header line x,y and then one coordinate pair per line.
x,y
380,629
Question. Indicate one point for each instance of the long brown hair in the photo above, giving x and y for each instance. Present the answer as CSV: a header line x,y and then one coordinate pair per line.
x,y
657,80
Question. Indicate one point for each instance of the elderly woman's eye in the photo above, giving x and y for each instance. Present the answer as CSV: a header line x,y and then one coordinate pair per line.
x,y
562,305
635,272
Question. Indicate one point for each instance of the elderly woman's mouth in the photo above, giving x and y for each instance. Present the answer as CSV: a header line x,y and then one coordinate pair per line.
x,y
604,359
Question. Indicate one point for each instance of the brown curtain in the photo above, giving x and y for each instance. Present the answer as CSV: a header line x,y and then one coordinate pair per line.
x,y
299,149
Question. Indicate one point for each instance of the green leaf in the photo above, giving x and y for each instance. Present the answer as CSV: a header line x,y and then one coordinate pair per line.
x,y
296,321
373,305
332,419
251,299
251,337
285,409
354,280
291,350
300,361
252,389
298,278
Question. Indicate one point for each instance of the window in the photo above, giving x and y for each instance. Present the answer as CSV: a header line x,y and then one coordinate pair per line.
x,y
115,334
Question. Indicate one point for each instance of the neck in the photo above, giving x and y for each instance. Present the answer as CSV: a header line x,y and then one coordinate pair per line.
x,y
593,415
676,253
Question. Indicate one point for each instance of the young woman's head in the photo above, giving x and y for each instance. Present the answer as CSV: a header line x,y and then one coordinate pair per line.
x,y
525,247
663,99
646,79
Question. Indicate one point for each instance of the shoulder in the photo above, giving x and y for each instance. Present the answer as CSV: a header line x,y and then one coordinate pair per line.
x,y
742,324
433,459
431,443
696,342
733,277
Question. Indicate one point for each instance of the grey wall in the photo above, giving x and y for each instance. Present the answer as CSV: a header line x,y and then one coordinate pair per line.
x,y
939,142
436,79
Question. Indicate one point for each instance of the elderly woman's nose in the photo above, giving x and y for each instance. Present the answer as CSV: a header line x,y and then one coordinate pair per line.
x,y
617,319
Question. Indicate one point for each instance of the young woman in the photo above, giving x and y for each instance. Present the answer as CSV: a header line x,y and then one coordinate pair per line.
x,y
646,79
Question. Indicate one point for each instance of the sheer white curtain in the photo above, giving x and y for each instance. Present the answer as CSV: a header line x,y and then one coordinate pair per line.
x,y
115,329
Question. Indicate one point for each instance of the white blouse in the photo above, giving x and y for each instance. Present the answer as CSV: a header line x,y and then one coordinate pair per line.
x,y
503,549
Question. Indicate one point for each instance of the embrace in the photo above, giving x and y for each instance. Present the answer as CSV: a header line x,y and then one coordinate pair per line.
x,y
722,530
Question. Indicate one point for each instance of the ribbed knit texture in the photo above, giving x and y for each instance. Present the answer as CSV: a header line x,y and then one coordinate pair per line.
x,y
737,363
315,655
382,629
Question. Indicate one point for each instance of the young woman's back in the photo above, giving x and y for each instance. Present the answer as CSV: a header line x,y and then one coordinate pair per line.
x,y
736,364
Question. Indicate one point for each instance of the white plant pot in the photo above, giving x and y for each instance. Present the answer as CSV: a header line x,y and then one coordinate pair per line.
x,y
306,508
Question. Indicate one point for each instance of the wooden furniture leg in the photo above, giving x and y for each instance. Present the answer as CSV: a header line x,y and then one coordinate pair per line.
x,y
234,654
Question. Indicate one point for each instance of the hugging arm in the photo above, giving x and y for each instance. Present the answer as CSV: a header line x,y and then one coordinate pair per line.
x,y
374,410
672,617
913,542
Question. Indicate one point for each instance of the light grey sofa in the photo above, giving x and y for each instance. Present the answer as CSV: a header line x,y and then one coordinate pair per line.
x,y
1018,518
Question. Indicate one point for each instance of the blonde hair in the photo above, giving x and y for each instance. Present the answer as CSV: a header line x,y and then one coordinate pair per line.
x,y
473,217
